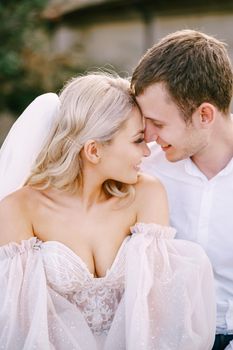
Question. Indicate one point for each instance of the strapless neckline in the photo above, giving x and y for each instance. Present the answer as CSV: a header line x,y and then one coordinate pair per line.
x,y
80,261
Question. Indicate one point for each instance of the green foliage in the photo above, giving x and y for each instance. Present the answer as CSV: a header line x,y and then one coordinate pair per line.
x,y
18,20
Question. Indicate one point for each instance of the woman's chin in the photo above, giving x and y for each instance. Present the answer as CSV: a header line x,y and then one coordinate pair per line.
x,y
132,181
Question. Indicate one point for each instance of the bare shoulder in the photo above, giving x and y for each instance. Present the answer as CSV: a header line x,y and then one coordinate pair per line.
x,y
147,183
149,187
151,200
15,221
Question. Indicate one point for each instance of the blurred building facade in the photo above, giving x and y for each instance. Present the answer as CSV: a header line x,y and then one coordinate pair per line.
x,y
117,32
86,35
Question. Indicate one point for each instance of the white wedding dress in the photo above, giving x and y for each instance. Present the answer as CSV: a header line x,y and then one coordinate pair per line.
x,y
157,295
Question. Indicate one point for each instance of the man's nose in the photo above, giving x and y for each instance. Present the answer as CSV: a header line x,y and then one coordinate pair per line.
x,y
150,133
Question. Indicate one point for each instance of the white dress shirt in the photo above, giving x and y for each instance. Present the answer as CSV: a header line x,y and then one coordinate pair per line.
x,y
202,211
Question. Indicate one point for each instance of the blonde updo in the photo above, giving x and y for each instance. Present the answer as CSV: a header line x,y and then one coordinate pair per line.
x,y
94,106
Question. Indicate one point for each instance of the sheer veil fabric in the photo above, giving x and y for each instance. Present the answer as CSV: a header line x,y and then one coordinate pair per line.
x,y
24,142
168,301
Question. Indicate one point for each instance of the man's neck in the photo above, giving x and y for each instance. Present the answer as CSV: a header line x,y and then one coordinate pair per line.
x,y
217,154
212,165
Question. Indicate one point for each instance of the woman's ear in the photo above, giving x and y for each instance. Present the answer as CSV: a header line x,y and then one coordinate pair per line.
x,y
92,151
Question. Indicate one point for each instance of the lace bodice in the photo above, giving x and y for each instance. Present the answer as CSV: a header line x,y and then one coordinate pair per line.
x,y
146,300
68,275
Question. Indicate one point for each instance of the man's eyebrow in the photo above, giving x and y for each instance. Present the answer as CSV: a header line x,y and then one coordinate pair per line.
x,y
154,120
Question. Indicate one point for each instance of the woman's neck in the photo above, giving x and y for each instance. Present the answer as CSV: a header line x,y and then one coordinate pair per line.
x,y
92,191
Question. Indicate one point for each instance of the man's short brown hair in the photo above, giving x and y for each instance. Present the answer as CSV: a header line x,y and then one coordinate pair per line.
x,y
194,67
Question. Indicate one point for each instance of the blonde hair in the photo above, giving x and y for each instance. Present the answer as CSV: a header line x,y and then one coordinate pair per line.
x,y
94,106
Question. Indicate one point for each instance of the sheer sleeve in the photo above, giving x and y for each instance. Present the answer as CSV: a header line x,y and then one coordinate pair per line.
x,y
23,297
170,299
33,316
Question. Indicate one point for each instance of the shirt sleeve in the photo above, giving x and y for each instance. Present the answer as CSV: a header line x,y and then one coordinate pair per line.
x,y
170,298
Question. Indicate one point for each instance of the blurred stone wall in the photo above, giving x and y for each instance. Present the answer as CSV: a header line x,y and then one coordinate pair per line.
x,y
95,37
6,121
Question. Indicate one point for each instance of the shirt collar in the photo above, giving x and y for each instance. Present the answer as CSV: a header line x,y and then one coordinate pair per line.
x,y
192,169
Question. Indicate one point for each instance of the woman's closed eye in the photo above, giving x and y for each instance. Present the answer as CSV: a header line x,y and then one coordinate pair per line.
x,y
139,140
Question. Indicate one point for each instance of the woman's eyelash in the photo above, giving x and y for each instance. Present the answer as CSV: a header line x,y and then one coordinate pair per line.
x,y
140,140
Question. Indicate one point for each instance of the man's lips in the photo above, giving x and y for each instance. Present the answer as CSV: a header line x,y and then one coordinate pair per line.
x,y
165,147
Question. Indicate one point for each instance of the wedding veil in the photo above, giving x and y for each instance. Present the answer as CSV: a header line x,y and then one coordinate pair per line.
x,y
24,142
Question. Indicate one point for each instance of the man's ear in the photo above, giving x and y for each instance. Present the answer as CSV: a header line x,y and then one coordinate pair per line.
x,y
92,151
205,114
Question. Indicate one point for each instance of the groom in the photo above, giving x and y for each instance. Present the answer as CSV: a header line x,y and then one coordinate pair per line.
x,y
184,87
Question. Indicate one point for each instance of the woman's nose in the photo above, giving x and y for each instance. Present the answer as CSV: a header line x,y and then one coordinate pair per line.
x,y
146,150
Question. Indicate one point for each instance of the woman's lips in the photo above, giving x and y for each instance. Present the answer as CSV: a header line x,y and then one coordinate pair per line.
x,y
137,167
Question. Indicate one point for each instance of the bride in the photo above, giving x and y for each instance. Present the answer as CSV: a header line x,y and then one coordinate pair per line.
x,y
88,260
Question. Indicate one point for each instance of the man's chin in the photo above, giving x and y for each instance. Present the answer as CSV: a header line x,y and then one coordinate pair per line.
x,y
174,158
